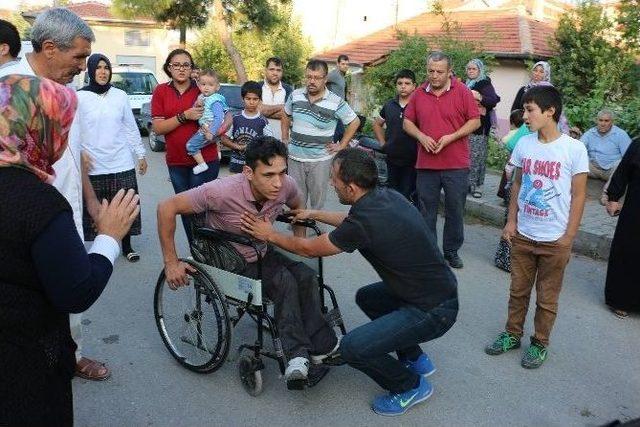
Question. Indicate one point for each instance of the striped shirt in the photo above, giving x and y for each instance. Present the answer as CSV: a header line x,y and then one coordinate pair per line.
x,y
314,123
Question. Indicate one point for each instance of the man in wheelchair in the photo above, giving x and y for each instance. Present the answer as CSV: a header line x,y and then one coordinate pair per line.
x,y
262,189
415,302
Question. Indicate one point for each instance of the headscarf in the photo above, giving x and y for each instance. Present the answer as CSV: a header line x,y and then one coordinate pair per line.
x,y
35,118
546,80
481,75
92,67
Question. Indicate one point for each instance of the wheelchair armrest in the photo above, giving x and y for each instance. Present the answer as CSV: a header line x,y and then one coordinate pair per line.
x,y
226,236
287,217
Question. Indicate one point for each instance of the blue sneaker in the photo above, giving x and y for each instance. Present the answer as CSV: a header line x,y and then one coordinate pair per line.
x,y
422,365
398,403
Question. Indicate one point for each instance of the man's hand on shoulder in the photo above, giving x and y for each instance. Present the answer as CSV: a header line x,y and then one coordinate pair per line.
x,y
259,228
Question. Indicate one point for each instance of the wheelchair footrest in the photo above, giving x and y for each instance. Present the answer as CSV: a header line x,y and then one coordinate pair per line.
x,y
334,317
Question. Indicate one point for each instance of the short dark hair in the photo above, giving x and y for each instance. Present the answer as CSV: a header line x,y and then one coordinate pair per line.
x,y
545,97
273,60
264,148
516,117
9,34
342,57
318,64
356,167
405,74
174,52
251,87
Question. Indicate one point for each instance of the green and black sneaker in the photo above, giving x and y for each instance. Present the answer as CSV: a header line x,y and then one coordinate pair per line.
x,y
534,357
502,344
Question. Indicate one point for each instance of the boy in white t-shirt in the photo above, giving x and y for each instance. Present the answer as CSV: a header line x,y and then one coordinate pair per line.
x,y
550,183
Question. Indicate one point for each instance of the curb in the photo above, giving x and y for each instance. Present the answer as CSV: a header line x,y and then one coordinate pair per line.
x,y
586,243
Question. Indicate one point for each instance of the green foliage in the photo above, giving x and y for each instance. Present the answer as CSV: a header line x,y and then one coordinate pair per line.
x,y
497,155
24,28
595,66
629,20
412,54
284,39
254,14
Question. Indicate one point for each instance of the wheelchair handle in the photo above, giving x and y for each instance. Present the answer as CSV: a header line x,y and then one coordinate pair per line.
x,y
287,217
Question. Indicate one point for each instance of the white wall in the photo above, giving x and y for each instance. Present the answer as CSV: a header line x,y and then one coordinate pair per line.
x,y
507,77
332,23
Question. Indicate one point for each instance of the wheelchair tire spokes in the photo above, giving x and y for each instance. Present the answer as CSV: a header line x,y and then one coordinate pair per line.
x,y
194,322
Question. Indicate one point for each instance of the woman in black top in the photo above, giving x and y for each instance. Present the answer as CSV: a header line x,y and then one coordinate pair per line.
x,y
622,289
46,272
485,94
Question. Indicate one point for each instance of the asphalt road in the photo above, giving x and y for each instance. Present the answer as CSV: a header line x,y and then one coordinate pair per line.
x,y
592,374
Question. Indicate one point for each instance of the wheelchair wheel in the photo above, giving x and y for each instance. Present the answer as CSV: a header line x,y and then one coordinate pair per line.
x,y
250,375
193,321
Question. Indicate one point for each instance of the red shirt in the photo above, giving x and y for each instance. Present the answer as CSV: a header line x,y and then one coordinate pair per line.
x,y
167,102
442,115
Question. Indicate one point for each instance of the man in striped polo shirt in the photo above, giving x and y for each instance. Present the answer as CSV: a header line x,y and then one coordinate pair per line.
x,y
315,112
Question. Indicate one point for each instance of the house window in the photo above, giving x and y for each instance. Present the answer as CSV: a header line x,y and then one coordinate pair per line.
x,y
137,38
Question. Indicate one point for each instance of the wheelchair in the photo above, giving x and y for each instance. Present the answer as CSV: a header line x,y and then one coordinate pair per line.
x,y
196,321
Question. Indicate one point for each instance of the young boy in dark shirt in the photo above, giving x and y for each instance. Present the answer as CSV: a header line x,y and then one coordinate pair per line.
x,y
246,125
400,148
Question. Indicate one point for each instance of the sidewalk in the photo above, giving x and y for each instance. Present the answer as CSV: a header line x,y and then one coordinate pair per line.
x,y
596,230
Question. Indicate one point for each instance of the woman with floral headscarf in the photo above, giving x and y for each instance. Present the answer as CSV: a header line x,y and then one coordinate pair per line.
x,y
46,272
486,97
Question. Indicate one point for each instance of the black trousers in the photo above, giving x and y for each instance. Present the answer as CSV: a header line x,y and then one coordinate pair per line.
x,y
293,288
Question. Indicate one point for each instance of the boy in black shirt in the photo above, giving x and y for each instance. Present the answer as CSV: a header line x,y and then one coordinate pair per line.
x,y
401,149
415,302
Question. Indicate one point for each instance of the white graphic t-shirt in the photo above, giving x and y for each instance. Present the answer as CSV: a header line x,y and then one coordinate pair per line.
x,y
545,193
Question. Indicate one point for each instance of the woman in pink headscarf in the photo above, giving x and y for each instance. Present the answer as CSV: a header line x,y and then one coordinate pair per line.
x,y
46,272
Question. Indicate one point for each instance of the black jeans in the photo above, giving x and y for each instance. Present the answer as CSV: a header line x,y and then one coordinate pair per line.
x,y
395,326
183,179
402,179
455,183
293,288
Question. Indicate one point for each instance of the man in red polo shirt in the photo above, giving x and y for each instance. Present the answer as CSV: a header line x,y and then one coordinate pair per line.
x,y
440,115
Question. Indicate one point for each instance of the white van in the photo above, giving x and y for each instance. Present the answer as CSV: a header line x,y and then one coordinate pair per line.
x,y
137,82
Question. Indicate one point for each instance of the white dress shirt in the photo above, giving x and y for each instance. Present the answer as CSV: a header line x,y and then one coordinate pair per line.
x,y
270,97
108,131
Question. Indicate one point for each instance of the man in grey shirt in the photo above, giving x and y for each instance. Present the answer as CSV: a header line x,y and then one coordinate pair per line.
x,y
337,84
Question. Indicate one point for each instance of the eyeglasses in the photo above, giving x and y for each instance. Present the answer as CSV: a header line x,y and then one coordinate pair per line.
x,y
315,78
178,66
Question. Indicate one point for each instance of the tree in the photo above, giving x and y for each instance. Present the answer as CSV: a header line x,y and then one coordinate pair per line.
x,y
595,64
629,20
413,51
183,14
284,39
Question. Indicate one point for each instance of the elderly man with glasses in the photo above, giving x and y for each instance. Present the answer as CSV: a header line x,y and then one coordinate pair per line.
x,y
315,112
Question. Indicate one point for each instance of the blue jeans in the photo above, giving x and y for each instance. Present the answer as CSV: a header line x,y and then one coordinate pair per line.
x,y
183,179
455,183
395,326
196,143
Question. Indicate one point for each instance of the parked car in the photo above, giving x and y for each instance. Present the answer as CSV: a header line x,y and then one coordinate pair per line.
x,y
138,83
234,100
